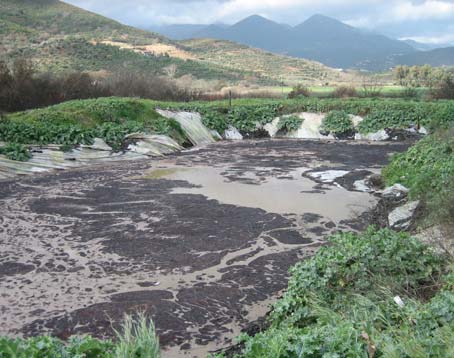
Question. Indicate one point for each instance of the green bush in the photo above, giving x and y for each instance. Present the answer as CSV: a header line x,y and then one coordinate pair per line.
x,y
380,119
15,151
299,91
340,302
338,123
290,123
427,169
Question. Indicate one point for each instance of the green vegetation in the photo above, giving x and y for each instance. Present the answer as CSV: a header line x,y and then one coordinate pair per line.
x,y
427,169
265,66
340,302
338,123
289,123
15,151
37,30
136,339
79,122
378,293
379,113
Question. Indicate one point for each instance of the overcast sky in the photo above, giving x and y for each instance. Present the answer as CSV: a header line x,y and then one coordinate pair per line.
x,y
425,20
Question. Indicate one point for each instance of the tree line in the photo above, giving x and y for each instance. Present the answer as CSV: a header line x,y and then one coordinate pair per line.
x,y
22,87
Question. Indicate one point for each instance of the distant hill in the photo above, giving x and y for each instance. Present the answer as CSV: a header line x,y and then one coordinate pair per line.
x,y
61,37
422,46
279,68
339,45
325,40
437,57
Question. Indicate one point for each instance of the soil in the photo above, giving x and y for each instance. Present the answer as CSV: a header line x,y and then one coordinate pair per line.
x,y
82,247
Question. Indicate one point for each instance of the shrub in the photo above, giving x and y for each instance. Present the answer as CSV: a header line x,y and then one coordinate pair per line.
x,y
338,123
445,89
427,169
340,302
345,92
289,123
299,91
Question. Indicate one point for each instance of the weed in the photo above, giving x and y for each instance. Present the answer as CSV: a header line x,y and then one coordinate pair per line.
x,y
15,151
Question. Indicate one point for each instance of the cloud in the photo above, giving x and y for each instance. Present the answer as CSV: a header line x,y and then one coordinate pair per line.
x,y
432,9
380,15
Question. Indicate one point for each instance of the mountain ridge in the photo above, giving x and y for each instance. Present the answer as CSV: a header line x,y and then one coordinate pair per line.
x,y
60,37
320,38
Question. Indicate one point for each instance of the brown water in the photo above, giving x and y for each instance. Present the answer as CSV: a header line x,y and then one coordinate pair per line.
x,y
227,220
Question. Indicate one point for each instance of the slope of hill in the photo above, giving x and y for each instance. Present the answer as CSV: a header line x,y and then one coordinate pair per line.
x,y
265,64
61,37
319,38
177,32
437,57
336,44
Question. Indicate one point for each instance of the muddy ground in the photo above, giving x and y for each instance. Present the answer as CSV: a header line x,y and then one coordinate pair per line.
x,y
201,240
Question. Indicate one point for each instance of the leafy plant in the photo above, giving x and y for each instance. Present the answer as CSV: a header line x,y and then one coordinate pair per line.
x,y
340,303
290,123
338,123
15,151
427,169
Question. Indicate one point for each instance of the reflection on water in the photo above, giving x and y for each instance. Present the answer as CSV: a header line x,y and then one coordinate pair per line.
x,y
293,194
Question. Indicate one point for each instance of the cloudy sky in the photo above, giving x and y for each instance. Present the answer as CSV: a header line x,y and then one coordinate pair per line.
x,y
424,20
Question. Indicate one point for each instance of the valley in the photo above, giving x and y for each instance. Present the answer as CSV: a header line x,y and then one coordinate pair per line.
x,y
226,179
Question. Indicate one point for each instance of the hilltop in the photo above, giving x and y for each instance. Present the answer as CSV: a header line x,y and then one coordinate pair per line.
x,y
60,37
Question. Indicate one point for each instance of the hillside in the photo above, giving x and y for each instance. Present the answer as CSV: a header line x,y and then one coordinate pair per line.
x,y
60,37
437,57
336,44
265,64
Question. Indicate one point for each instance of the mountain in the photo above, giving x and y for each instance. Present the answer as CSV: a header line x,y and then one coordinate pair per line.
x,y
255,31
437,57
422,46
319,38
336,44
60,37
